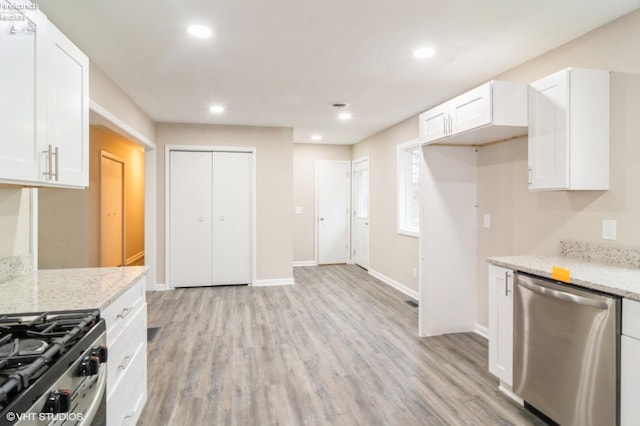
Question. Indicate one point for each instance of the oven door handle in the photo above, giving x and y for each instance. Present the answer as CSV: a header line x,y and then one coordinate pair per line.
x,y
568,297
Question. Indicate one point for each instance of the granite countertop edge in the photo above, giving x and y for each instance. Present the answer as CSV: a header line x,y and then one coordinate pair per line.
x,y
617,280
67,289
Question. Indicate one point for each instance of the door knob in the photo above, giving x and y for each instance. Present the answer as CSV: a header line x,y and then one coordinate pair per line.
x,y
201,219
321,219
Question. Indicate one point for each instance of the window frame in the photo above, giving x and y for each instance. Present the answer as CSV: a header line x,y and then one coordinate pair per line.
x,y
404,187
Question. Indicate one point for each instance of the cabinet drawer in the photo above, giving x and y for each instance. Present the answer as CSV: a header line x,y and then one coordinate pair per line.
x,y
631,318
125,405
123,349
116,314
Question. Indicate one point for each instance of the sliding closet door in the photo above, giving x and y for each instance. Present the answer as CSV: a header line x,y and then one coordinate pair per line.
x,y
232,217
191,186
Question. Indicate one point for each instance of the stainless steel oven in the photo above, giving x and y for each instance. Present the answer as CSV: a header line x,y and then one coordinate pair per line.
x,y
566,351
53,368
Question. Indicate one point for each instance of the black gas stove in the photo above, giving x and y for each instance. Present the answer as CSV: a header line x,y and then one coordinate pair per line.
x,y
52,367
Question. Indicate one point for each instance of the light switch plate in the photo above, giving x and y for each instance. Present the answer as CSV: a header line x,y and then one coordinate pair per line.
x,y
487,220
298,210
609,229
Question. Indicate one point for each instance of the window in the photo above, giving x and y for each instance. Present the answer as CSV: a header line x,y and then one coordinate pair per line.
x,y
362,188
409,155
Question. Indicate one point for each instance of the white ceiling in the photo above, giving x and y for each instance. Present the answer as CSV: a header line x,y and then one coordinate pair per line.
x,y
283,62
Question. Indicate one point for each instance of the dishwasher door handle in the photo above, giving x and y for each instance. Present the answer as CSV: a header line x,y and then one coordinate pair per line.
x,y
574,298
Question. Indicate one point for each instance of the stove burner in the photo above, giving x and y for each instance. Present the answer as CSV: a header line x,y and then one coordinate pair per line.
x,y
23,347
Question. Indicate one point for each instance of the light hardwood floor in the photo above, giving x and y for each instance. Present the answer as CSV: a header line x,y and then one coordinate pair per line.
x,y
338,348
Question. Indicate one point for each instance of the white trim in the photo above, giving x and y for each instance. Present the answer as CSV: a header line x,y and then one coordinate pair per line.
x,y
395,284
274,282
160,287
317,213
33,227
134,258
506,389
482,331
297,263
401,188
353,208
101,116
167,175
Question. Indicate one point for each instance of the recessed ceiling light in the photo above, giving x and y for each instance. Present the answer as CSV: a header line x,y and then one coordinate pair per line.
x,y
424,52
199,31
346,115
316,137
216,109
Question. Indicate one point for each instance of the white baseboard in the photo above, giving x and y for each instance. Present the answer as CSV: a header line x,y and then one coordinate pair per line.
x,y
304,263
395,284
482,330
134,258
159,287
274,281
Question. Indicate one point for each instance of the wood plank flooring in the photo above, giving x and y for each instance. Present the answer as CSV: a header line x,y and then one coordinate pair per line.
x,y
338,348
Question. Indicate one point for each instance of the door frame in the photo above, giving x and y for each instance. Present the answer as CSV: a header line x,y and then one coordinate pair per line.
x,y
167,200
353,200
108,155
317,212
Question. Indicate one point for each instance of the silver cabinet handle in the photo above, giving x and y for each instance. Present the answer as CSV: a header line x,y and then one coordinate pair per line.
x,y
125,362
49,153
529,173
124,313
506,283
56,152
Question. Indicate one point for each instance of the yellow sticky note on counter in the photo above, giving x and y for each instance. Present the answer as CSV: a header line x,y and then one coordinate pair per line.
x,y
560,274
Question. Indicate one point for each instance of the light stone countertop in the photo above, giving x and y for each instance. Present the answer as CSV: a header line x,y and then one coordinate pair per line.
x,y
618,280
64,289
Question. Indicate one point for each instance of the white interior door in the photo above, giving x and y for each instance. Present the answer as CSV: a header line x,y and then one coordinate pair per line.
x,y
333,211
232,217
111,210
190,228
360,223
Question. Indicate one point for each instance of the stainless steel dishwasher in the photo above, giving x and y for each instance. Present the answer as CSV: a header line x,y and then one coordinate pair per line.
x,y
566,351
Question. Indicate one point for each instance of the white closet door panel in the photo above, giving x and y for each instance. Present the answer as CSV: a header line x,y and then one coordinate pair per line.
x,y
190,227
232,215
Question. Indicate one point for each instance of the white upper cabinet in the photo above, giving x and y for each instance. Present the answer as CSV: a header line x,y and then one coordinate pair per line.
x,y
569,131
497,110
20,105
68,111
44,108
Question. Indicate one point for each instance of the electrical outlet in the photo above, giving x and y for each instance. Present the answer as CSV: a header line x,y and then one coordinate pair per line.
x,y
609,229
415,272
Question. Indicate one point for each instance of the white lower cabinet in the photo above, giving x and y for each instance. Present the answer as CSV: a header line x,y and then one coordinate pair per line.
x,y
126,321
629,361
501,324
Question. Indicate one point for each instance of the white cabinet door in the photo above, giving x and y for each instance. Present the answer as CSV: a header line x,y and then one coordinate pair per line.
x,y
20,44
433,123
501,323
629,382
68,110
471,109
548,127
569,131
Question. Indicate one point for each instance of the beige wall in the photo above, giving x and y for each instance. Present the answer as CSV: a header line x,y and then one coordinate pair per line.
x,y
525,222
274,177
69,219
15,235
391,254
305,157
106,93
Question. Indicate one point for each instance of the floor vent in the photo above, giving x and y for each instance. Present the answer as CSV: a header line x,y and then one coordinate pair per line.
x,y
151,333
411,303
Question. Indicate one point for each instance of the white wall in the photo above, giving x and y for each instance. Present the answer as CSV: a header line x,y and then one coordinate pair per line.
x,y
15,220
